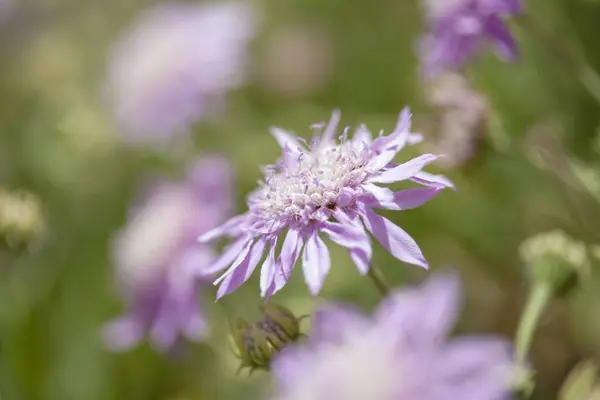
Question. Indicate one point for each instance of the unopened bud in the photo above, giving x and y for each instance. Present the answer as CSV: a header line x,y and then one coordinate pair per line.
x,y
21,218
256,344
555,259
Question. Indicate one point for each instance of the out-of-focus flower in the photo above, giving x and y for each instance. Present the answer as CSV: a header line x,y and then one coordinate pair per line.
x,y
256,344
555,259
298,60
325,187
462,120
176,65
157,257
459,28
400,353
21,217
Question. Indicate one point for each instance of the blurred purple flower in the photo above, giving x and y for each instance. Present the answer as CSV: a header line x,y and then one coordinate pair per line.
x,y
400,353
310,187
175,66
459,28
157,257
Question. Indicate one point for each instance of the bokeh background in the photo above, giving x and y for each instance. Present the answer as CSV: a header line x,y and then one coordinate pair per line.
x,y
528,166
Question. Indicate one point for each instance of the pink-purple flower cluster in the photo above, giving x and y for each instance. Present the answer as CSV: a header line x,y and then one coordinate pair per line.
x,y
175,66
400,353
329,187
158,258
459,28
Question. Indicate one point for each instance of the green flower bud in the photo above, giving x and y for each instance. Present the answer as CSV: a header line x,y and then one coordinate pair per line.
x,y
21,218
555,259
256,344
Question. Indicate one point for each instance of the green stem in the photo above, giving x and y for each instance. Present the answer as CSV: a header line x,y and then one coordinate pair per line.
x,y
377,278
588,77
537,300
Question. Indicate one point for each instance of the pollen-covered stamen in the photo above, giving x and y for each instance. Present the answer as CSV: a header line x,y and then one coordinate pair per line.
x,y
314,180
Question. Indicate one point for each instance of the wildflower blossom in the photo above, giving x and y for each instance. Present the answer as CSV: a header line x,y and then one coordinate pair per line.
x,y
459,28
326,187
157,255
463,114
175,66
400,353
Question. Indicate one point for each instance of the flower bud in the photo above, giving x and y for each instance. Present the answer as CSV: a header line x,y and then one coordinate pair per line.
x,y
21,218
555,259
256,344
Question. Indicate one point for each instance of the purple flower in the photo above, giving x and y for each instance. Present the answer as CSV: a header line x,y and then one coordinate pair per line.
x,y
175,66
327,187
400,353
459,28
157,257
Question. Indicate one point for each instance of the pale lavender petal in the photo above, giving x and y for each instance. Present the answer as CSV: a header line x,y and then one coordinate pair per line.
x,y
290,251
355,239
380,194
232,225
404,171
230,253
164,330
122,334
315,263
329,133
427,179
239,259
382,160
285,139
409,199
394,239
476,367
502,40
332,323
267,272
279,280
363,135
242,272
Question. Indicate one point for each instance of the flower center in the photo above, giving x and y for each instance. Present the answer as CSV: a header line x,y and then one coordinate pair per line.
x,y
305,182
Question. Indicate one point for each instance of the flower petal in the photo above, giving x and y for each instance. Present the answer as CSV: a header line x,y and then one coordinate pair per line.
x,y
502,40
285,139
230,227
290,251
241,272
333,323
409,198
122,334
353,237
394,239
329,133
315,263
267,272
425,314
432,180
476,368
230,253
404,171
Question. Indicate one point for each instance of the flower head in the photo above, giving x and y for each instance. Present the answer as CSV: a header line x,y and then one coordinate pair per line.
x,y
460,27
157,257
175,66
400,353
329,187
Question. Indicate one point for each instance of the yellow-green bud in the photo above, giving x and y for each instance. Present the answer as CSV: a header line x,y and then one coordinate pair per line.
x,y
256,344
555,259
21,218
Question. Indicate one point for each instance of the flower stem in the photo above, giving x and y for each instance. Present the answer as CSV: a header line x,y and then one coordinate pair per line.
x,y
377,278
537,300
588,77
